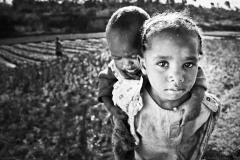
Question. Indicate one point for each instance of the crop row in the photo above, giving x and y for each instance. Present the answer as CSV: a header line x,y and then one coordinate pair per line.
x,y
19,54
35,48
14,58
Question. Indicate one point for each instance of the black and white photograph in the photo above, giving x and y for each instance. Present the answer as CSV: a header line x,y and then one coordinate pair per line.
x,y
119,79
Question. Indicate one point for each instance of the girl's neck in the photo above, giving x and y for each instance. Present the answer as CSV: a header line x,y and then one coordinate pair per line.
x,y
168,104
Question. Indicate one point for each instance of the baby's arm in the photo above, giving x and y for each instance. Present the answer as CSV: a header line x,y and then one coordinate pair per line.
x,y
192,107
105,88
114,110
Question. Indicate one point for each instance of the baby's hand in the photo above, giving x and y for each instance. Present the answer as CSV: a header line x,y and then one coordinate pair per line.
x,y
191,110
118,113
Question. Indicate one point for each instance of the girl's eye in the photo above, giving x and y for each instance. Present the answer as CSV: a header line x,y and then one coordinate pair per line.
x,y
189,65
163,64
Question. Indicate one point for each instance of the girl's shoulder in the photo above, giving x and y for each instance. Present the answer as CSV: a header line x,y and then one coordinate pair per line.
x,y
211,102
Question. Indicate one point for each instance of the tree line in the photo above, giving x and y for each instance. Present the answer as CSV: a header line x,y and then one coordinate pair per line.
x,y
34,17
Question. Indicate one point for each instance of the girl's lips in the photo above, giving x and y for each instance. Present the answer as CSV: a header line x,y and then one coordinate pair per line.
x,y
175,91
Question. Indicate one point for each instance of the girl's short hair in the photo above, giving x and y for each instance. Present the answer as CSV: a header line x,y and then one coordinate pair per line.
x,y
126,18
178,23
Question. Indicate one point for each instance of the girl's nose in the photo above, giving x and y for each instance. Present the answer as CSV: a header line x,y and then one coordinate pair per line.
x,y
176,76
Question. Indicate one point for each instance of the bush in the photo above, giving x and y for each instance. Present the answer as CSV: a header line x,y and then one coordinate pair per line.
x,y
50,111
91,12
6,26
30,22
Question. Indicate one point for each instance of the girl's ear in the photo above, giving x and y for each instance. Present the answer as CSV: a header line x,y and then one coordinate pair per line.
x,y
142,65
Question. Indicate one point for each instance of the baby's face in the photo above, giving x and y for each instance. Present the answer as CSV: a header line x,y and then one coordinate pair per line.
x,y
124,50
171,64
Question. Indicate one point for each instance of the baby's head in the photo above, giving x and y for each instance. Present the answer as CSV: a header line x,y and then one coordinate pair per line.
x,y
123,37
171,45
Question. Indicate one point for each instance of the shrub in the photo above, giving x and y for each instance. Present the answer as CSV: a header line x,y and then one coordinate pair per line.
x,y
50,111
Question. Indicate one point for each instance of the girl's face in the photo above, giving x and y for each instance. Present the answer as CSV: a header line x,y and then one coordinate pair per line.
x,y
124,50
171,64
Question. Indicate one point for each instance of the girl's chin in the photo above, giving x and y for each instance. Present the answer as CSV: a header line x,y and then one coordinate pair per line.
x,y
175,94
173,98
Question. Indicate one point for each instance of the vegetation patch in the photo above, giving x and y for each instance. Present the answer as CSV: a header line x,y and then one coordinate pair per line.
x,y
50,111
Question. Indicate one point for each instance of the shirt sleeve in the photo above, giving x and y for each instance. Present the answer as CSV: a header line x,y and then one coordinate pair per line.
x,y
201,79
105,83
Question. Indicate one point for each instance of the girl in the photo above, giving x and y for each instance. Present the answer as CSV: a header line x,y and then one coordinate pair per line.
x,y
171,46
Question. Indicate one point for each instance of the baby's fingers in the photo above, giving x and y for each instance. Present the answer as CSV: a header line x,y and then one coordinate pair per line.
x,y
122,115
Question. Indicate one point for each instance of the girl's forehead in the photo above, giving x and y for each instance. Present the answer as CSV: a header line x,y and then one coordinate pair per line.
x,y
172,45
174,37
176,34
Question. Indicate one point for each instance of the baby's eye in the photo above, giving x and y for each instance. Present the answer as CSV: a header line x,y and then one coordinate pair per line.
x,y
189,65
134,56
163,64
116,58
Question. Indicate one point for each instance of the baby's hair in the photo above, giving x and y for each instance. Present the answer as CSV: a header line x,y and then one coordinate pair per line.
x,y
178,23
127,18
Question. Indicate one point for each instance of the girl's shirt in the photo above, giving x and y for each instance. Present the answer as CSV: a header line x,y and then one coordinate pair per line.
x,y
128,96
162,138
